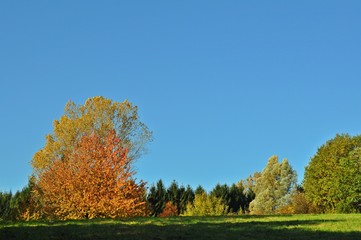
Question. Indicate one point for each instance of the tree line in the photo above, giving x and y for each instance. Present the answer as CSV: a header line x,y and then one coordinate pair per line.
x,y
179,200
85,170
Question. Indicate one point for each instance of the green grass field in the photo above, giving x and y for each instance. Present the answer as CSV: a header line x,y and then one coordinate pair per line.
x,y
338,226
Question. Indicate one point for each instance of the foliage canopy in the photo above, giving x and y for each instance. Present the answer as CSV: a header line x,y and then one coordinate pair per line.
x,y
332,179
98,115
274,188
95,182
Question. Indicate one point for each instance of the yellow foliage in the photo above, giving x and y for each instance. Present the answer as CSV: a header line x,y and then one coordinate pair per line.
x,y
99,115
288,209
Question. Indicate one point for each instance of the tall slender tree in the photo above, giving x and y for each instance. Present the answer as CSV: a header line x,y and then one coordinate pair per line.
x,y
187,196
157,198
221,191
274,188
237,199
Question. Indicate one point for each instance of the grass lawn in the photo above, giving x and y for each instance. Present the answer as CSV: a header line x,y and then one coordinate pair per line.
x,y
338,226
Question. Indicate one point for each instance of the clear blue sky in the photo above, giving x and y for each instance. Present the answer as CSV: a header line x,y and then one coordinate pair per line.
x,y
223,85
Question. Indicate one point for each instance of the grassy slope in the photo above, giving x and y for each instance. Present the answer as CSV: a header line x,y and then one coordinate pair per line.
x,y
241,227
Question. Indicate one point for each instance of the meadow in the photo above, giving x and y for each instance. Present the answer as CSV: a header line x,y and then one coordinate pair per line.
x,y
330,226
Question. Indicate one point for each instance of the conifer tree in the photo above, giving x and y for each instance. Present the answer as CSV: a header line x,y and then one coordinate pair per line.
x,y
157,198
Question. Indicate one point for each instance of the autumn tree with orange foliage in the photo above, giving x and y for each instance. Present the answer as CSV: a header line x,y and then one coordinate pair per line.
x,y
96,181
170,210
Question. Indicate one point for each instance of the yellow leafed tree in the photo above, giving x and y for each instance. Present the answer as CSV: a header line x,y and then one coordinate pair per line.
x,y
85,168
99,115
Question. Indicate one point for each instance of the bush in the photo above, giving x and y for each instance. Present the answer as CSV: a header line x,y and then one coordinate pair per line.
x,y
169,210
206,205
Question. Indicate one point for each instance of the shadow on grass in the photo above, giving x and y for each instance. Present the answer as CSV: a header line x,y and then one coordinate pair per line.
x,y
173,228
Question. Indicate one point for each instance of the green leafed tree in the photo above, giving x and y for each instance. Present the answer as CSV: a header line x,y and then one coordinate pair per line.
x,y
332,177
349,183
274,188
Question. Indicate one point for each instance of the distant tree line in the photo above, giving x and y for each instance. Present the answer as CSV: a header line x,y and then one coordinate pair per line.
x,y
332,184
85,170
17,206
179,200
177,197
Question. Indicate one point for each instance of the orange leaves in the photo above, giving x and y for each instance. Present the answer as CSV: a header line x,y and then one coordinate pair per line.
x,y
94,181
169,210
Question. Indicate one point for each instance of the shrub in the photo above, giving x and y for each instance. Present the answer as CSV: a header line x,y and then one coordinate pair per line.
x,y
169,210
206,205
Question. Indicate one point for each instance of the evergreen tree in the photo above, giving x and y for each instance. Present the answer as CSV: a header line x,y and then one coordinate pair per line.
x,y
5,209
237,199
157,198
199,190
186,197
173,193
222,192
